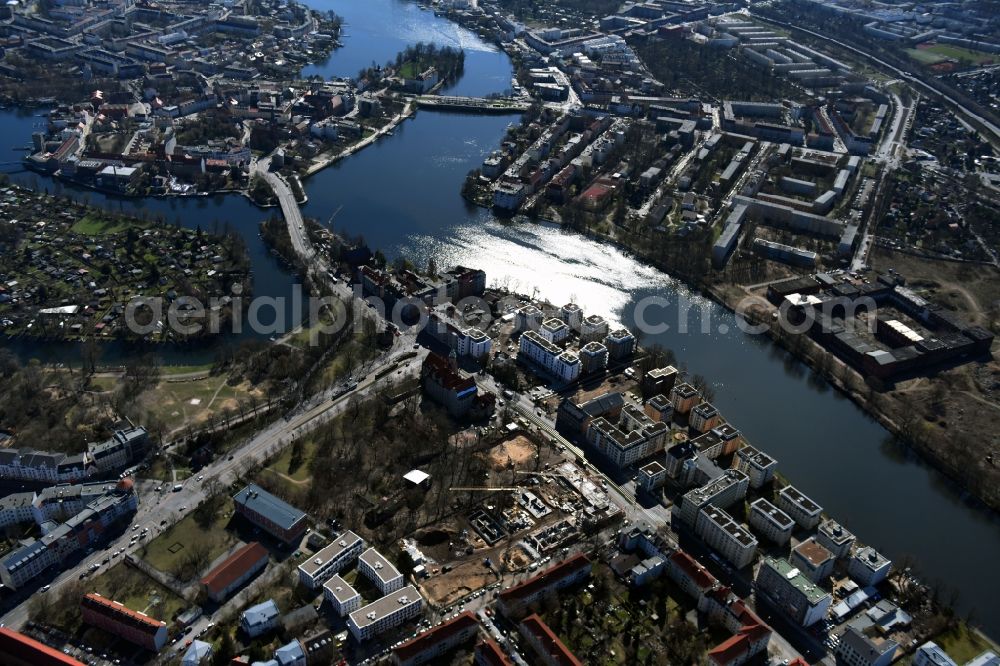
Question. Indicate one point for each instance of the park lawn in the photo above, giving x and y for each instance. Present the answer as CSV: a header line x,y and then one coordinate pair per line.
x,y
170,370
137,591
92,225
925,56
962,643
959,53
281,467
167,552
171,402
409,70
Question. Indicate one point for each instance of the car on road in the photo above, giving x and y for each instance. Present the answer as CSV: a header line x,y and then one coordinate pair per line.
x,y
46,588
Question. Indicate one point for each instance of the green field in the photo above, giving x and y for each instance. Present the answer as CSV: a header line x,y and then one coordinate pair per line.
x,y
409,70
282,470
941,52
188,547
92,225
137,591
962,644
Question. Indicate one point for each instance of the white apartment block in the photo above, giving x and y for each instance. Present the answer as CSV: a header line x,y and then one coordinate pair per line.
x,y
388,612
344,598
727,537
380,571
636,436
593,329
16,508
835,538
564,365
572,315
528,318
721,492
757,465
554,330
330,560
803,510
868,567
771,522
473,342
813,560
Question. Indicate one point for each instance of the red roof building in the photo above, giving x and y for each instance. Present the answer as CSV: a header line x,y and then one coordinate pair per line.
x,y
693,578
117,619
437,641
488,653
550,650
513,601
16,649
235,570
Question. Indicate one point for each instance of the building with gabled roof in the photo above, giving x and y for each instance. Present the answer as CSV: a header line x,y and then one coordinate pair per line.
x,y
436,641
130,625
514,600
550,650
245,563
276,517
16,649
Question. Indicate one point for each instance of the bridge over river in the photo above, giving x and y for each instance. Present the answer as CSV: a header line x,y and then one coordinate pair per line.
x,y
473,104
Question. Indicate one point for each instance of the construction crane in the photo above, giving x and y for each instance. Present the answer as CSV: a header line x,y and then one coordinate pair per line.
x,y
488,488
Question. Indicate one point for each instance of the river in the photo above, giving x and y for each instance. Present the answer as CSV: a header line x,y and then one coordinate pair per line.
x,y
402,194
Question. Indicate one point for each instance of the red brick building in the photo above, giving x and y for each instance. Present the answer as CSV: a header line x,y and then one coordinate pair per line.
x,y
133,626
515,600
550,650
16,649
235,570
437,641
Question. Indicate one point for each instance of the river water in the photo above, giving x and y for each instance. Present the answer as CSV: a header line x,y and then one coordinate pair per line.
x,y
402,195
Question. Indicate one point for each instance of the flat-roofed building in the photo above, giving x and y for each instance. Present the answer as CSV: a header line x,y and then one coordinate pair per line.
x,y
658,381
132,626
684,397
344,598
835,538
857,649
16,649
331,559
380,571
659,408
931,654
620,344
727,537
436,642
245,563
593,358
704,417
757,465
721,492
550,650
274,516
868,567
634,437
813,560
803,510
514,600
593,329
554,330
651,476
771,522
389,612
564,365
794,595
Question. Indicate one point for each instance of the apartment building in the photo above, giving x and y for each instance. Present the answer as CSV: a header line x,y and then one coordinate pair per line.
x,y
448,385
835,538
435,642
16,508
681,462
380,571
634,437
224,579
658,381
704,417
694,579
724,535
795,595
126,447
868,567
857,649
274,516
331,559
593,358
683,398
813,560
659,408
132,626
543,641
803,510
528,318
721,492
563,365
620,343
554,330
771,522
757,465
931,654
344,598
260,619
30,465
651,476
593,329
26,562
514,600
386,613
488,653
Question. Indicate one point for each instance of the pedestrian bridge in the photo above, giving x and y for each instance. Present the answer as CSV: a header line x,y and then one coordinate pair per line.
x,y
473,104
